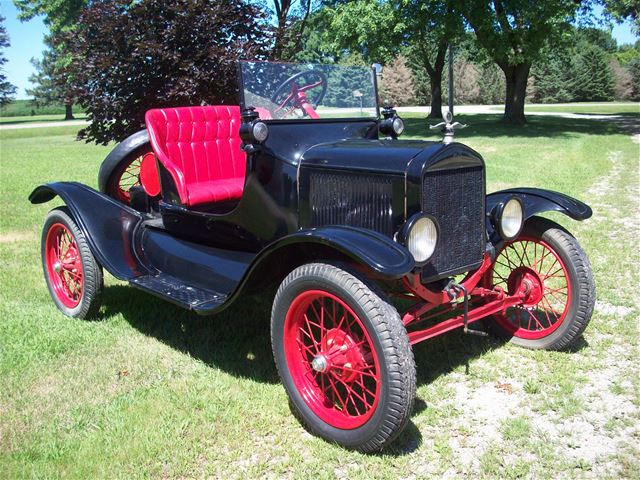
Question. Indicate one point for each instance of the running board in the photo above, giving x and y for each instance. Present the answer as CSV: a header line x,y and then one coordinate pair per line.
x,y
171,289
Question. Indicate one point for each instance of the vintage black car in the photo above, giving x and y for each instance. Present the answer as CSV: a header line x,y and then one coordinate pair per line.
x,y
306,187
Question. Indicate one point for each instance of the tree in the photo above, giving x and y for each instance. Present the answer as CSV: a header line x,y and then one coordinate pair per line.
x,y
623,80
368,27
430,28
130,57
513,32
554,78
51,84
594,80
6,89
397,83
292,17
634,69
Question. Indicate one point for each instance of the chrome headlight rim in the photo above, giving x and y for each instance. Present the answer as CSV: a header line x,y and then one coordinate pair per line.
x,y
409,226
260,131
498,218
398,126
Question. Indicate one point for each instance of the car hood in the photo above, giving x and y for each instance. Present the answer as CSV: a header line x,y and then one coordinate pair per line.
x,y
373,156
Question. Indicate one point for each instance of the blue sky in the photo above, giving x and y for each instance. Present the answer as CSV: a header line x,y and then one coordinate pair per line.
x,y
26,43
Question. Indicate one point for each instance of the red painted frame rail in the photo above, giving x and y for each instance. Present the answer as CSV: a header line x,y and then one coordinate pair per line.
x,y
430,302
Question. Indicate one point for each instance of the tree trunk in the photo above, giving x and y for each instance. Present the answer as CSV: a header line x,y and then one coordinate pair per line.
x,y
68,112
435,81
516,77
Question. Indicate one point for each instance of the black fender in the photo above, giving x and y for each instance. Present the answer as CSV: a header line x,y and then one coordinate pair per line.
x,y
138,142
379,256
536,200
107,225
375,251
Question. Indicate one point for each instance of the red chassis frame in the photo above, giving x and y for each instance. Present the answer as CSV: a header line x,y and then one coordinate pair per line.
x,y
495,300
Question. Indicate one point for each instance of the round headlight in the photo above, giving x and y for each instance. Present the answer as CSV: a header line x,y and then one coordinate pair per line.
x,y
422,239
511,219
260,131
398,126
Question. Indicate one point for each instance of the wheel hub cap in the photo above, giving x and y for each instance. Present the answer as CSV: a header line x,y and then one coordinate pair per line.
x,y
57,267
319,363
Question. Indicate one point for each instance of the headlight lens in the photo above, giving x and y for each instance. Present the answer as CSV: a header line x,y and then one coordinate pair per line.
x,y
511,219
422,239
398,126
260,131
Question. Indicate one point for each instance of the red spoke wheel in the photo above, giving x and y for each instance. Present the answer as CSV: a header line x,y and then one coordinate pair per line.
x,y
120,170
125,176
344,357
546,265
73,276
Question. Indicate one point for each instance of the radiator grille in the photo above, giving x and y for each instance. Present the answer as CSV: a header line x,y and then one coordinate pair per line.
x,y
356,200
456,199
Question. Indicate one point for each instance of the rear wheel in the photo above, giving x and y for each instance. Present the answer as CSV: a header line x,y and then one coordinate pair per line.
x,y
557,276
120,170
343,356
73,276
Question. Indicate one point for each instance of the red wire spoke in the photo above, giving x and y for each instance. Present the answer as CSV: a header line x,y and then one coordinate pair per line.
x,y
344,387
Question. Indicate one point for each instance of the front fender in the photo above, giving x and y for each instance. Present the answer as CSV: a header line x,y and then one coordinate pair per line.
x,y
374,250
538,200
107,225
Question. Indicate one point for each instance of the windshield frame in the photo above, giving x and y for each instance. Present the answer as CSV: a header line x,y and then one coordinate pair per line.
x,y
243,106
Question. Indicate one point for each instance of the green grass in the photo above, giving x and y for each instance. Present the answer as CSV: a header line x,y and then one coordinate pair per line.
x,y
151,391
25,108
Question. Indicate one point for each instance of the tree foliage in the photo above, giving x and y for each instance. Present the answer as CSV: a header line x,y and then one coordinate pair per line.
x,y
51,84
6,89
624,10
130,57
291,17
513,33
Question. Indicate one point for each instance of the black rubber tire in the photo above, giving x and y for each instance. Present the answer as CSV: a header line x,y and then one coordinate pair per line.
x,y
583,292
92,282
121,156
391,343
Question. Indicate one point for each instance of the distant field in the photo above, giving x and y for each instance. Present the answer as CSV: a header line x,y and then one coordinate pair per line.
x,y
26,108
38,118
586,108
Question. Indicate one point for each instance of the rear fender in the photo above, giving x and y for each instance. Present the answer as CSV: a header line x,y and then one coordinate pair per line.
x,y
107,225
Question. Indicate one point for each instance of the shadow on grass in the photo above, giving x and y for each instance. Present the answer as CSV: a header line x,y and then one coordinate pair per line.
x,y
238,342
490,125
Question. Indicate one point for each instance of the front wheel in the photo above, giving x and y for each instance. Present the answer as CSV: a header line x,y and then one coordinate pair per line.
x,y
560,289
73,275
343,356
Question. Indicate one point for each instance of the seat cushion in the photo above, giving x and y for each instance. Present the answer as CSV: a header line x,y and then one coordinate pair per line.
x,y
215,191
200,147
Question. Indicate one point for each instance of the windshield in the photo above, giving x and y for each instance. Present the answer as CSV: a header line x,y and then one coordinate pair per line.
x,y
308,91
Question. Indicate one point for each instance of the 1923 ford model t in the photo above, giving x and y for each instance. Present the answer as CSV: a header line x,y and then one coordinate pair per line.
x,y
306,187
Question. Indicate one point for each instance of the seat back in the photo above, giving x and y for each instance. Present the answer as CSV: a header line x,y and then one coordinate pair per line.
x,y
197,144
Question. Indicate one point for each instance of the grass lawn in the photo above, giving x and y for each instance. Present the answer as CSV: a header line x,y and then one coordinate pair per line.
x,y
150,390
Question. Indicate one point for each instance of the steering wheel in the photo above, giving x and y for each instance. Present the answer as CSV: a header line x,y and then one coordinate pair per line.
x,y
291,93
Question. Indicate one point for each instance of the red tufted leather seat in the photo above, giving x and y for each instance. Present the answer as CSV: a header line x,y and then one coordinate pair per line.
x,y
200,147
